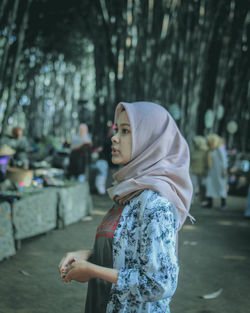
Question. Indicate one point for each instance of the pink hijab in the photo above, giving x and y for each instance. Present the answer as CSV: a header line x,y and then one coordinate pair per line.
x,y
160,158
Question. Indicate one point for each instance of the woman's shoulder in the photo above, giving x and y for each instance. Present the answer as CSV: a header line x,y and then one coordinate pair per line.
x,y
154,206
152,200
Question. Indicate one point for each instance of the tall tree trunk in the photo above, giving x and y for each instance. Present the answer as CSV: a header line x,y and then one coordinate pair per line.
x,y
2,7
20,41
211,61
11,20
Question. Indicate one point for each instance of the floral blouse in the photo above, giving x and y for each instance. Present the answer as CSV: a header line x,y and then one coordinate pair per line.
x,y
144,252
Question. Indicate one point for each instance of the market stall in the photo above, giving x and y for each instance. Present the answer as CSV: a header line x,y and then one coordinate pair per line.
x,y
7,244
34,214
74,203
36,200
40,211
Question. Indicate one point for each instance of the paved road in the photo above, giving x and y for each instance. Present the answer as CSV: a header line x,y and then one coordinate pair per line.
x,y
214,254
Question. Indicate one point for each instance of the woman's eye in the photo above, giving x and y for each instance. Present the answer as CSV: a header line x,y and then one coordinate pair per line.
x,y
125,131
115,130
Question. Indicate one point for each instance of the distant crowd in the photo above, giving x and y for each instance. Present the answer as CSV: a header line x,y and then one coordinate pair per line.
x,y
209,171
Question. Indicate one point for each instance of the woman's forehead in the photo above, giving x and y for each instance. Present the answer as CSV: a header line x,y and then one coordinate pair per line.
x,y
123,118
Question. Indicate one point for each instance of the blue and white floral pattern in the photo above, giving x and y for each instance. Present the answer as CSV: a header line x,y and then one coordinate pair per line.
x,y
144,252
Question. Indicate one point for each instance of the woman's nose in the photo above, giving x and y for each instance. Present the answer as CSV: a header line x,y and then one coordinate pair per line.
x,y
114,138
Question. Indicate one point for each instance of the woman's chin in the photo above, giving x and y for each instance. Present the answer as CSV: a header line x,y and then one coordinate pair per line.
x,y
115,160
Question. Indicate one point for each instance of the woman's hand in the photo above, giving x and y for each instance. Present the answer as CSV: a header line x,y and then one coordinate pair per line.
x,y
76,256
74,266
79,271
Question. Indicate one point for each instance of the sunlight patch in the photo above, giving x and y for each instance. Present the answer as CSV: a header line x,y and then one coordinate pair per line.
x,y
234,257
99,212
225,223
189,227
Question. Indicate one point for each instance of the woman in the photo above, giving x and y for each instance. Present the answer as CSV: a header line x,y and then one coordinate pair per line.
x,y
216,180
199,166
133,266
80,150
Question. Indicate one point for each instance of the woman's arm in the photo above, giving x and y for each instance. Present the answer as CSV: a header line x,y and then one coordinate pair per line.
x,y
155,277
104,273
83,271
78,146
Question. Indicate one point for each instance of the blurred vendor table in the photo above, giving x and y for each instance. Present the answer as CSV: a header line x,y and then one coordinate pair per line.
x,y
34,214
74,203
7,244
38,211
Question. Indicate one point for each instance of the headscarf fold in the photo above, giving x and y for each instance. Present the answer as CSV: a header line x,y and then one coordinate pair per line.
x,y
214,141
160,158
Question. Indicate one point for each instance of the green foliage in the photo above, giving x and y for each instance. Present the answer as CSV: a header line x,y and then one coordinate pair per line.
x,y
190,56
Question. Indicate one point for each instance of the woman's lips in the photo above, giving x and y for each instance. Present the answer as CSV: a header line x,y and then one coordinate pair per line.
x,y
115,151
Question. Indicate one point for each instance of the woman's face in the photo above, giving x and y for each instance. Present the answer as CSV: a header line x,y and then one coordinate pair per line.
x,y
83,130
122,140
19,133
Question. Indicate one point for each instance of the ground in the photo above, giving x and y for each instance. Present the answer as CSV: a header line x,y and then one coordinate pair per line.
x,y
214,253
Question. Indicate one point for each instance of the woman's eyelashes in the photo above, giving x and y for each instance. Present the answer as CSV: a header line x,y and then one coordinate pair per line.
x,y
122,130
125,131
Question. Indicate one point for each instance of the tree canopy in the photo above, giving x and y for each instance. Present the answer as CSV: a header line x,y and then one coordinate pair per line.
x,y
64,62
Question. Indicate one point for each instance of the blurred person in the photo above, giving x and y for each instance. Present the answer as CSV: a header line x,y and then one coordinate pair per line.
x,y
101,165
216,180
134,266
80,153
6,153
199,166
22,147
247,208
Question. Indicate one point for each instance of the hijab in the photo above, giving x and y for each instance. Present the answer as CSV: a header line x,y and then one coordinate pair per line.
x,y
160,158
214,141
200,143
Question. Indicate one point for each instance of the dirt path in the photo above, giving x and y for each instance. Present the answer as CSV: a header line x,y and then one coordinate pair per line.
x,y
214,254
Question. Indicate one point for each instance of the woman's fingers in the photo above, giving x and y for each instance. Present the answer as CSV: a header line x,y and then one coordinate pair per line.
x,y
78,271
68,275
60,266
66,262
66,278
71,260
61,262
64,265
71,267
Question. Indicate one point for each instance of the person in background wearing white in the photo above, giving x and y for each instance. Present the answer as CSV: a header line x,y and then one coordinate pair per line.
x,y
216,180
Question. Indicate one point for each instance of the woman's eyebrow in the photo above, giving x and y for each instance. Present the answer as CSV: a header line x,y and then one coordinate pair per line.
x,y
125,124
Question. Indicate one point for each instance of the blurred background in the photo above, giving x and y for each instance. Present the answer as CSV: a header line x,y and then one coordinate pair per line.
x,y
64,63
68,61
